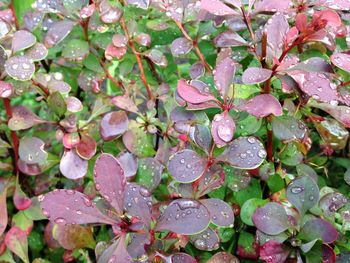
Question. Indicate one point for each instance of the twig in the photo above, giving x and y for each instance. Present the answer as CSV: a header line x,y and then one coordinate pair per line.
x,y
195,46
14,15
138,59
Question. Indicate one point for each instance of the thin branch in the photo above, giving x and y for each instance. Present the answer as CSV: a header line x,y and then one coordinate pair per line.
x,y
138,59
14,15
195,46
41,87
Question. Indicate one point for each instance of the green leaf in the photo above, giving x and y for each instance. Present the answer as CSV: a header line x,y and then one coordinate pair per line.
x,y
76,49
21,7
248,209
57,104
252,191
275,183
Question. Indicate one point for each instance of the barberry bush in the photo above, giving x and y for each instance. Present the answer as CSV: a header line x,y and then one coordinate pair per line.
x,y
174,131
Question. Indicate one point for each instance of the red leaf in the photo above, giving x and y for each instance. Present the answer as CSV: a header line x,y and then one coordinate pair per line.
x,y
191,94
274,252
16,241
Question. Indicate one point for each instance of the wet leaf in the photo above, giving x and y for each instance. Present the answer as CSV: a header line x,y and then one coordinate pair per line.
x,y
16,241
287,128
276,30
318,228
248,209
223,75
341,60
128,162
222,129
69,207
20,68
223,257
244,153
73,104
149,173
125,103
3,208
274,252
184,216
139,3
191,94
113,124
261,106
303,193
138,142
207,240
22,39
271,219
23,118
109,14
221,213
56,103
58,31
186,166
73,237
180,46
331,202
86,148
110,180
256,75
229,39
218,8
116,253
31,150
197,70
72,166
76,50
6,89
340,113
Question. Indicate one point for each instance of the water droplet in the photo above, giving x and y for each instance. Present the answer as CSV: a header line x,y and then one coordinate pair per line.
x,y
60,221
296,189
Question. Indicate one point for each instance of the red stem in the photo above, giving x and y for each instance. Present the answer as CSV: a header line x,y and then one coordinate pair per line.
x,y
14,138
14,15
343,84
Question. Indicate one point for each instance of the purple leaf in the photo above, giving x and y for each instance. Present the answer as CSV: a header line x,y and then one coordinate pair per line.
x,y
29,169
197,70
113,124
180,46
223,75
200,134
317,228
109,14
72,166
218,8
192,94
186,166
22,39
261,106
274,252
314,64
37,52
116,253
23,118
110,180
287,128
256,75
334,4
67,207
125,103
20,68
244,153
271,219
20,199
57,32
212,179
229,39
32,19
6,89
222,129
180,258
73,104
207,240
184,216
137,246
303,193
276,30
157,57
128,162
331,202
86,148
340,113
271,6
31,150
119,40
221,213
3,209
16,241
223,257
316,85
138,202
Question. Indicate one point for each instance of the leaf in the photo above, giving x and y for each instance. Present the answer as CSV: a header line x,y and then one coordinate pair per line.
x,y
76,49
221,213
186,166
222,129
229,39
138,202
69,207
125,103
56,103
16,241
6,89
332,202
303,193
180,46
271,6
276,30
218,8
115,52
22,39
109,14
184,216
244,153
138,142
340,113
149,173
333,133
191,94
20,199
73,237
110,181
3,208
207,240
20,68
31,150
86,148
200,134
341,60
72,166
197,70
274,252
116,253
261,106
223,257
255,75
157,57
144,4
287,128
119,40
223,75
57,32
316,85
248,209
113,124
128,162
271,219
73,104
317,228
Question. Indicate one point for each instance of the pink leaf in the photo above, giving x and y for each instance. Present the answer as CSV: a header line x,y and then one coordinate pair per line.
x,y
125,103
222,129
340,113
65,207
3,209
116,253
113,124
276,29
229,39
6,89
191,94
110,180
256,75
341,60
72,166
218,8
16,241
262,105
20,199
272,6
274,252
223,75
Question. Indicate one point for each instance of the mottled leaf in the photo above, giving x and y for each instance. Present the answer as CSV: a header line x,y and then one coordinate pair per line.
x,y
113,124
23,118
223,257
125,103
73,237
317,228
207,240
31,150
16,241
221,213
287,128
86,148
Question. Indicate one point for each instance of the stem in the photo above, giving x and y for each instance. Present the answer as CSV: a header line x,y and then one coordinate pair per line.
x,y
14,138
119,84
44,89
195,46
246,20
343,84
14,15
138,59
